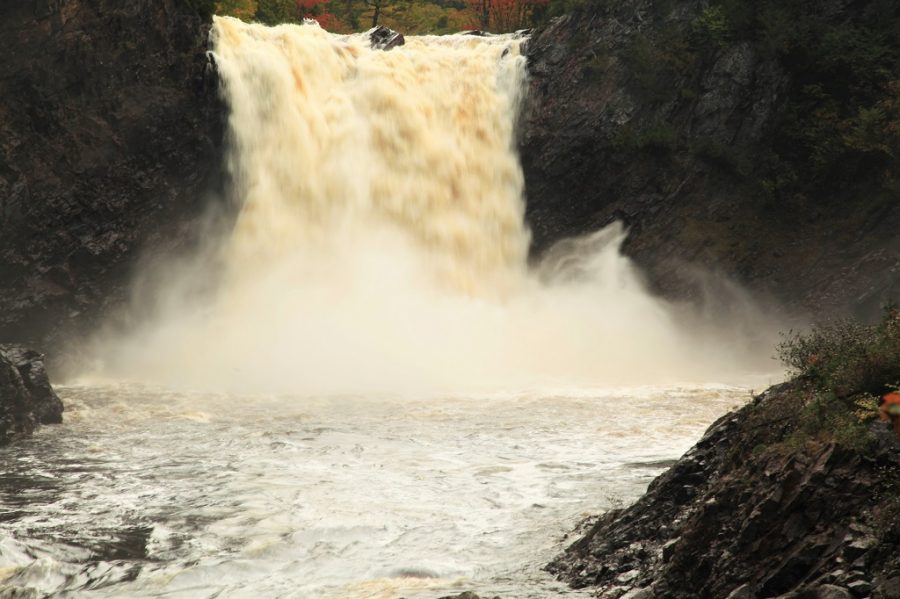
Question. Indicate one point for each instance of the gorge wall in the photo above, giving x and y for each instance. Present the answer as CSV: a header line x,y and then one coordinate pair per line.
x,y
110,132
704,135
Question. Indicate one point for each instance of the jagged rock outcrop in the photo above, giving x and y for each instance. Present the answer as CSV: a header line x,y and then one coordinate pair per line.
x,y
745,515
26,397
110,127
660,115
382,38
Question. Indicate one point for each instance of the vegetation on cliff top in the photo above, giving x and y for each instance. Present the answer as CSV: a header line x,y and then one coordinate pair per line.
x,y
407,16
845,366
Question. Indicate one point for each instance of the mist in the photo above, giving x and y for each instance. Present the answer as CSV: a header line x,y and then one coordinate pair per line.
x,y
380,246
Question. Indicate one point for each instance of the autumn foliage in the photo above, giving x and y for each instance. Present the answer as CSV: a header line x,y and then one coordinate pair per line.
x,y
317,10
408,16
502,15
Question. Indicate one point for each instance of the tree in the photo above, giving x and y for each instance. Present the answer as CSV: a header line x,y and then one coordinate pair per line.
x,y
352,9
347,12
375,5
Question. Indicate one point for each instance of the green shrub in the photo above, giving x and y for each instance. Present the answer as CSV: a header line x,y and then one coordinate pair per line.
x,y
847,358
846,365
840,124
845,421
712,29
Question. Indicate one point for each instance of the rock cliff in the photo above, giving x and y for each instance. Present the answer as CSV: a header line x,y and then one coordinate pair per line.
x,y
110,134
692,128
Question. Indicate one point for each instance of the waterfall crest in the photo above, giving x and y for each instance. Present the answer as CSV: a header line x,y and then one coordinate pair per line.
x,y
329,134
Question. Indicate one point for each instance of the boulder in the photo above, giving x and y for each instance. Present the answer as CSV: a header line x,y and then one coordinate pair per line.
x,y
830,591
382,38
26,397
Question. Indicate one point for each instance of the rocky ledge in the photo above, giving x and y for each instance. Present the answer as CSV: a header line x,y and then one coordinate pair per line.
x,y
26,397
752,511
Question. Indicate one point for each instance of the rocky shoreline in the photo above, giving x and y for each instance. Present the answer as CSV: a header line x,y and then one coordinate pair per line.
x,y
746,515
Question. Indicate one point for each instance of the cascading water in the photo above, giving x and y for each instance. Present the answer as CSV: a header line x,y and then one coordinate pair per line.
x,y
380,245
332,138
374,396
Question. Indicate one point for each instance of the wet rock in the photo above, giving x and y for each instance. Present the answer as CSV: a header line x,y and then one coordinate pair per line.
x,y
860,588
830,591
627,577
761,520
26,397
888,588
857,548
745,591
668,549
382,38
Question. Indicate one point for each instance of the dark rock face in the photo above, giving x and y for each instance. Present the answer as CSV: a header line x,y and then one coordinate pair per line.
x,y
736,518
382,38
26,397
111,130
623,123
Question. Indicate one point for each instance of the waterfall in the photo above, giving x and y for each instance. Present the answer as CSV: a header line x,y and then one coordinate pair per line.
x,y
331,137
380,244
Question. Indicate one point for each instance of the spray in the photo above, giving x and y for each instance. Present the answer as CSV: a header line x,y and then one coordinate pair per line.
x,y
380,245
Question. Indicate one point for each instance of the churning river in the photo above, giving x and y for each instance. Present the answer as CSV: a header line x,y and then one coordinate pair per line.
x,y
143,493
361,387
